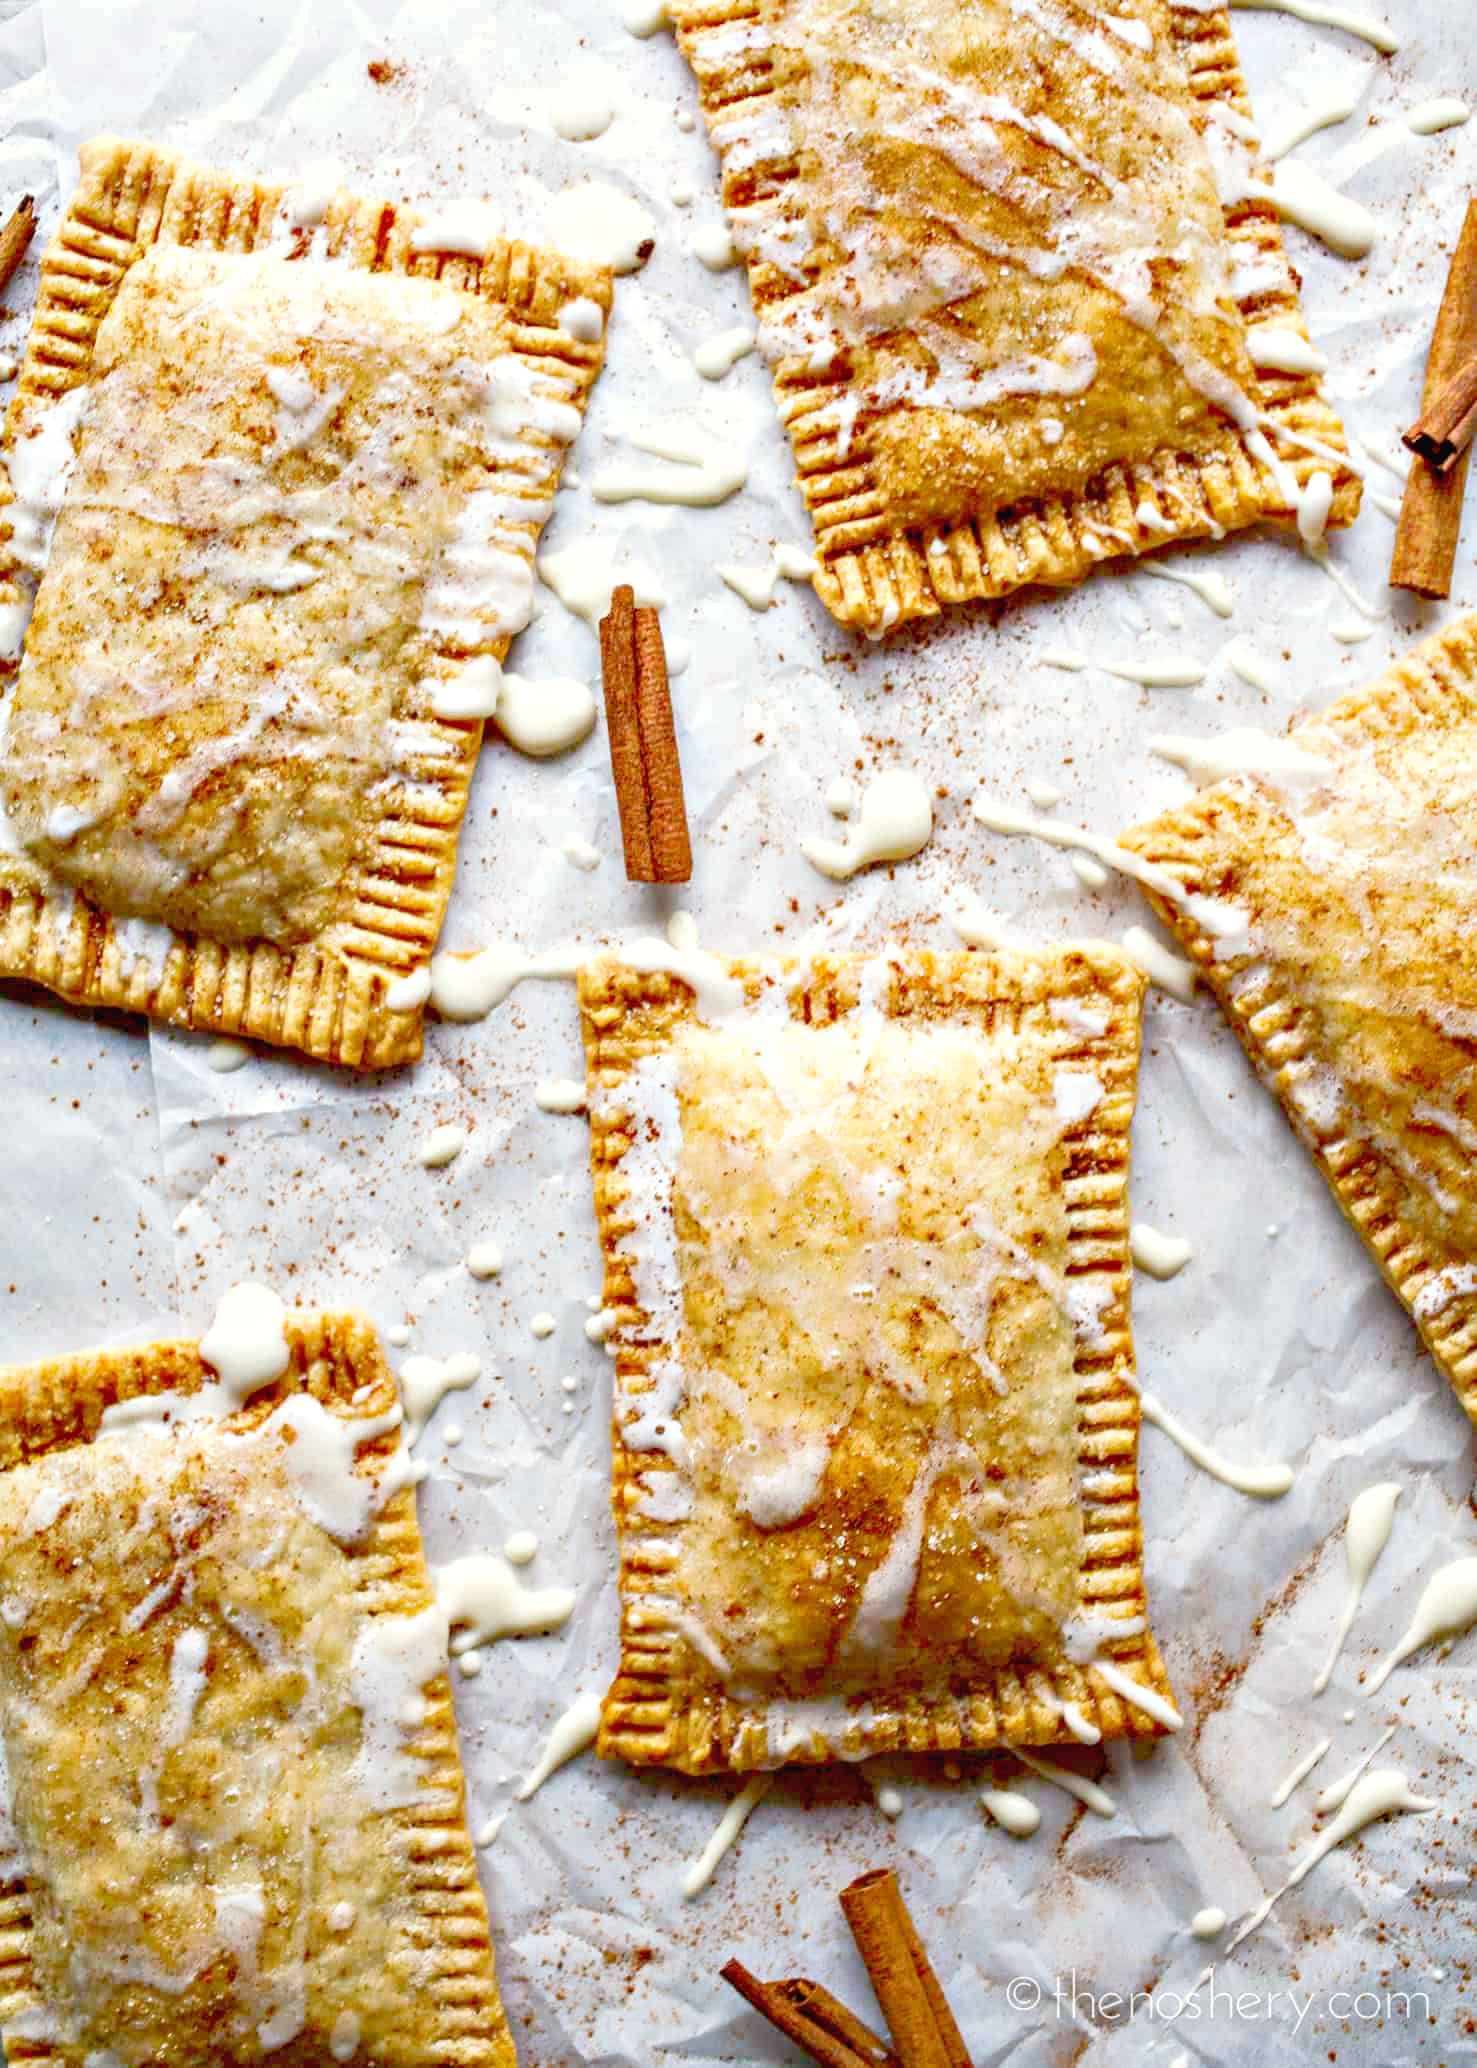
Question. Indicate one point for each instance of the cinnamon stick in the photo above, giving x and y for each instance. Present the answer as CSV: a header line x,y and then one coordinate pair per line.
x,y
14,239
918,2016
1443,430
643,744
1431,511
823,2043
815,2003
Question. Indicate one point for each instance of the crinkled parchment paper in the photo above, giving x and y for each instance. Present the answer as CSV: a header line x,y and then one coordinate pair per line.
x,y
137,1185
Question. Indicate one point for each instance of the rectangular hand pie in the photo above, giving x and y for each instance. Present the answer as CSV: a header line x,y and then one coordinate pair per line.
x,y
276,476
1017,271
867,1277
1346,850
236,1829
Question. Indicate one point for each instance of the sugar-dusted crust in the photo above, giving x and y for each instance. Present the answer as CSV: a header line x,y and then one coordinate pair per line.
x,y
405,1875
1355,991
895,537
670,1704
325,993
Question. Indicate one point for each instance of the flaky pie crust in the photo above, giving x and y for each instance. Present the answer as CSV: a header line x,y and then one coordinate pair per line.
x,y
432,1997
1374,1091
667,1704
323,995
893,543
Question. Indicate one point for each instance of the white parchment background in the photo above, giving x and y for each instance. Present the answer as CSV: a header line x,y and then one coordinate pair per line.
x,y
135,1185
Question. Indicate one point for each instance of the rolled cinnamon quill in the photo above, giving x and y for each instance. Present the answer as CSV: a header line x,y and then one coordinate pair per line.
x,y
922,2026
643,744
1431,510
822,2039
14,239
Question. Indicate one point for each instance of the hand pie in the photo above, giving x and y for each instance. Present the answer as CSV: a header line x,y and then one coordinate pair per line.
x,y
1347,849
866,1275
237,1828
1017,271
278,518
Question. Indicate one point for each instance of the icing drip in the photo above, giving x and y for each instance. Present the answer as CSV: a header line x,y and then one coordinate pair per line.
x,y
1366,1533
1447,1607
894,823
1337,1793
571,1734
1296,1775
1261,1482
1383,1794
1093,1797
732,1822
482,1598
1012,1811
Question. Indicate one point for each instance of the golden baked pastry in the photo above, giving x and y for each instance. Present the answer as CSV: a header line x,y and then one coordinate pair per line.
x,y
236,1827
867,1278
1352,983
1010,261
278,517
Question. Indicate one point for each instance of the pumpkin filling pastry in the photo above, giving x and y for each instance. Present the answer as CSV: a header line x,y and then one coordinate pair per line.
x,y
1346,848
1017,270
237,1809
271,531
867,1282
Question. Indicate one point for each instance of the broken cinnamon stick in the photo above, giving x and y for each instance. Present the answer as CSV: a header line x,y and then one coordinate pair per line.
x,y
918,2016
823,2043
1443,430
1431,511
828,2013
14,239
643,744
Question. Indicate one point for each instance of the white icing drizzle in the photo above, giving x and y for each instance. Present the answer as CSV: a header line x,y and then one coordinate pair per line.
x,y
573,1732
468,228
409,993
560,1095
426,1381
521,1548
468,987
1163,671
1429,118
225,1056
1276,349
1325,114
1304,197
1447,1607
1368,27
1208,1923
1337,1793
1095,1798
483,1599
719,354
1213,589
1240,659
600,224
694,475
1213,915
246,1343
1297,1774
441,1146
713,244
1012,1811
730,1824
1159,964
538,717
394,1658
582,576
1382,1794
894,823
580,112
1261,1482
1138,1695
1162,1256
1366,1533
583,318
644,17
1084,1731
1244,750
757,585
